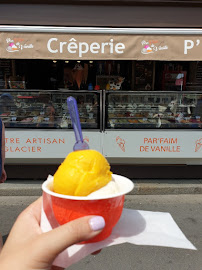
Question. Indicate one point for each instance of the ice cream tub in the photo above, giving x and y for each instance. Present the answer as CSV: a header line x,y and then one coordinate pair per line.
x,y
65,208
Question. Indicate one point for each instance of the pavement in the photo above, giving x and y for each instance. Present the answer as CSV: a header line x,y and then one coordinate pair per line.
x,y
185,210
142,187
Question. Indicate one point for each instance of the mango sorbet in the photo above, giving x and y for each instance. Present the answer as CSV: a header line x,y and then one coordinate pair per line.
x,y
82,173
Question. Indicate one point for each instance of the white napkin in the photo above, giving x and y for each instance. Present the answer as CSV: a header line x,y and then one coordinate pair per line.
x,y
135,227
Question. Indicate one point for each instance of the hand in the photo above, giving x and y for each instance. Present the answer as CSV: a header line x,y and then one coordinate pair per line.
x,y
3,176
27,248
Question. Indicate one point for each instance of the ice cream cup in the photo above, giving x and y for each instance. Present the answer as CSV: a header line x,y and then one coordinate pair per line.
x,y
67,208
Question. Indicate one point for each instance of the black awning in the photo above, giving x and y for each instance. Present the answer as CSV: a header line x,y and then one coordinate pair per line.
x,y
100,16
108,2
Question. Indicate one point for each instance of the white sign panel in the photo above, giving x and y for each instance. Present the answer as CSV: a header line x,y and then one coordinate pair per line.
x,y
45,144
153,144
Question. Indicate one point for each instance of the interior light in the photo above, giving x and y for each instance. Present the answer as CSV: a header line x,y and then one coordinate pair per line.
x,y
78,61
90,62
54,61
66,62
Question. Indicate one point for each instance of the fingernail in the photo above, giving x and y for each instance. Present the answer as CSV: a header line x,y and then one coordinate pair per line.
x,y
97,223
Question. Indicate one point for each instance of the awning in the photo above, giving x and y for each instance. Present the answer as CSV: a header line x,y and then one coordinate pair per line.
x,y
122,15
120,44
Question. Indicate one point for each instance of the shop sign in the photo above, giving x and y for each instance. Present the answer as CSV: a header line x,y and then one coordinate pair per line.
x,y
153,144
100,46
31,145
38,144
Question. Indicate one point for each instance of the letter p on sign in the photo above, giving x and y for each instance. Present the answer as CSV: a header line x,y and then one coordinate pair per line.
x,y
188,44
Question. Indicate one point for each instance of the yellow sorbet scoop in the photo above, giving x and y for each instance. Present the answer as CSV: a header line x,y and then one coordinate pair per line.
x,y
82,173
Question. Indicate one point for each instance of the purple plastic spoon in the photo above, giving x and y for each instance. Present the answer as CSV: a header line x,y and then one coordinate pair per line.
x,y
74,114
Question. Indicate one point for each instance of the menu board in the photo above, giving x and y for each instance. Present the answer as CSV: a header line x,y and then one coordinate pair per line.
x,y
143,75
2,82
5,70
5,66
199,73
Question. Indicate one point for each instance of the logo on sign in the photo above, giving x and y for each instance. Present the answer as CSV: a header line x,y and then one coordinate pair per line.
x,y
198,145
152,46
17,44
121,143
86,139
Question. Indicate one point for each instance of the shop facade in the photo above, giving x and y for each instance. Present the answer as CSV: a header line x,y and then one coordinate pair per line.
x,y
138,92
138,86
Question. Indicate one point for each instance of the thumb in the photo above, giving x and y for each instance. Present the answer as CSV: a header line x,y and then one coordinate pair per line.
x,y
52,243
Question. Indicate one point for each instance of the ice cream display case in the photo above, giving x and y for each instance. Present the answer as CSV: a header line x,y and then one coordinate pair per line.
x,y
156,127
48,108
128,127
38,125
89,106
152,110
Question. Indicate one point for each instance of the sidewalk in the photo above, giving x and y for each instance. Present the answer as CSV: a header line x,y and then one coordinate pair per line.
x,y
142,187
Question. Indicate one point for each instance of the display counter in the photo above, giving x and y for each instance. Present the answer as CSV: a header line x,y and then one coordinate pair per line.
x,y
38,125
145,127
48,108
155,127
152,110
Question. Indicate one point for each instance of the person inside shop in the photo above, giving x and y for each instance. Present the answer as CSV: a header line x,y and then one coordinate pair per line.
x,y
198,109
48,110
80,100
3,175
68,78
6,104
27,248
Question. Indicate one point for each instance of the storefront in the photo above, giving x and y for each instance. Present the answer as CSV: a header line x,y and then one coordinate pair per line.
x,y
138,92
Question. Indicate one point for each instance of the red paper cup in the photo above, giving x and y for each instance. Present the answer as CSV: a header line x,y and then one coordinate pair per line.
x,y
67,208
